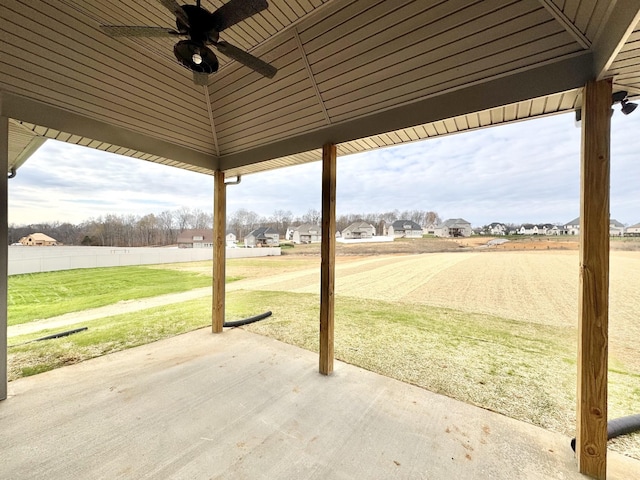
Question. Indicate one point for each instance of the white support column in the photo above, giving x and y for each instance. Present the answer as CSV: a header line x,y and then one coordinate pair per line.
x,y
4,245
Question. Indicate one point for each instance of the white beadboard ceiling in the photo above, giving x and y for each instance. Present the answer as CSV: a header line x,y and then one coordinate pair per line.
x,y
360,73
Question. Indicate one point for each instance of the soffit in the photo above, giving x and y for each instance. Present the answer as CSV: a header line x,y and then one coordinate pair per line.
x,y
359,73
22,143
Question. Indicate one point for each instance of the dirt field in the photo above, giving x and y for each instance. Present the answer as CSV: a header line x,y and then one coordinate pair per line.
x,y
536,286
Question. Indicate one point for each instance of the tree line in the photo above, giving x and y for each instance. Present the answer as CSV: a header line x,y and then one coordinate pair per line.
x,y
163,229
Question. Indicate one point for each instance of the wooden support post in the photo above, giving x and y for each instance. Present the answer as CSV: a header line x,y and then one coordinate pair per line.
x,y
219,251
328,253
591,436
4,246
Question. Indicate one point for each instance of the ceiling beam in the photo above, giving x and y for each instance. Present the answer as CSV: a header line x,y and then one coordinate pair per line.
x,y
567,24
612,35
31,111
312,79
571,72
207,97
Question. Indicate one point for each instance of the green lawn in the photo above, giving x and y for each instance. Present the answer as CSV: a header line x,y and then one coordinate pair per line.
x,y
524,370
44,295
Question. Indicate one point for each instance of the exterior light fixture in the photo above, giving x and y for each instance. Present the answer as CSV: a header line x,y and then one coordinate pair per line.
x,y
627,107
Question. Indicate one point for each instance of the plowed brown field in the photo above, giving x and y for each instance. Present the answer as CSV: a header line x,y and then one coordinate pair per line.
x,y
529,286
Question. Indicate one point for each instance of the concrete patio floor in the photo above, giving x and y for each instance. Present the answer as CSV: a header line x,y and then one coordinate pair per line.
x,y
242,406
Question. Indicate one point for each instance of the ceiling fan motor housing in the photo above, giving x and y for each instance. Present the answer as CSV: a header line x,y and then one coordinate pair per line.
x,y
201,26
184,51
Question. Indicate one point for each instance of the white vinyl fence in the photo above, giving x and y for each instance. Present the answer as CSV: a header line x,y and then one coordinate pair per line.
x,y
24,259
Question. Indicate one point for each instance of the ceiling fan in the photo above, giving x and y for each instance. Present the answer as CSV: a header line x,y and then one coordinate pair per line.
x,y
202,29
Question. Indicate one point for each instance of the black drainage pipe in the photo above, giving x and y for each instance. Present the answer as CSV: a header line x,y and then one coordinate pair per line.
x,y
617,427
247,321
62,334
52,336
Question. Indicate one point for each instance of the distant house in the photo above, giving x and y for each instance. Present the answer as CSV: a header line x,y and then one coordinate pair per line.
x,y
262,237
633,230
289,233
196,238
231,239
358,230
528,229
556,230
429,229
496,228
545,229
38,240
306,233
454,227
573,227
536,229
404,229
616,229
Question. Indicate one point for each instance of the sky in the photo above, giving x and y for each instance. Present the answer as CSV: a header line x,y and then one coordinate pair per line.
x,y
527,172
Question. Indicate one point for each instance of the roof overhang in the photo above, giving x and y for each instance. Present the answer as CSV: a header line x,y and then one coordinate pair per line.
x,y
360,74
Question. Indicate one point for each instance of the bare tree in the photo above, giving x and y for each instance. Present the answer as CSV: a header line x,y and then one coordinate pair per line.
x,y
280,220
148,230
201,220
242,222
166,223
184,218
312,216
162,229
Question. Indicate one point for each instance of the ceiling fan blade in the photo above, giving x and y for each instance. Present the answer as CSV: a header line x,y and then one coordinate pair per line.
x,y
131,31
235,11
176,9
245,58
200,79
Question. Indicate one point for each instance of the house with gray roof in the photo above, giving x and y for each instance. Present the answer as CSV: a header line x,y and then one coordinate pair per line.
x,y
454,227
497,228
537,229
404,229
556,230
358,230
262,237
306,233
573,227
616,229
632,231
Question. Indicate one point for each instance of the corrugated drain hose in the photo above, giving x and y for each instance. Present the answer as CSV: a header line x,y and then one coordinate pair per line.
x,y
617,427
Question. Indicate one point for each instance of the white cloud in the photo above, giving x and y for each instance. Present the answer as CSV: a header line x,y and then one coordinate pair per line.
x,y
524,172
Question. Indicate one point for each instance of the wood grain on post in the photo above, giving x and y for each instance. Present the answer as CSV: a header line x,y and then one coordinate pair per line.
x,y
4,252
591,436
219,245
328,254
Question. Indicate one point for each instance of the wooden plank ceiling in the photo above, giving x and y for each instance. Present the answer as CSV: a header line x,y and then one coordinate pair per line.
x,y
360,73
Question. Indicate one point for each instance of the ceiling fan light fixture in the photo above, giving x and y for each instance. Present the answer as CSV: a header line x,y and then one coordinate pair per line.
x,y
189,52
